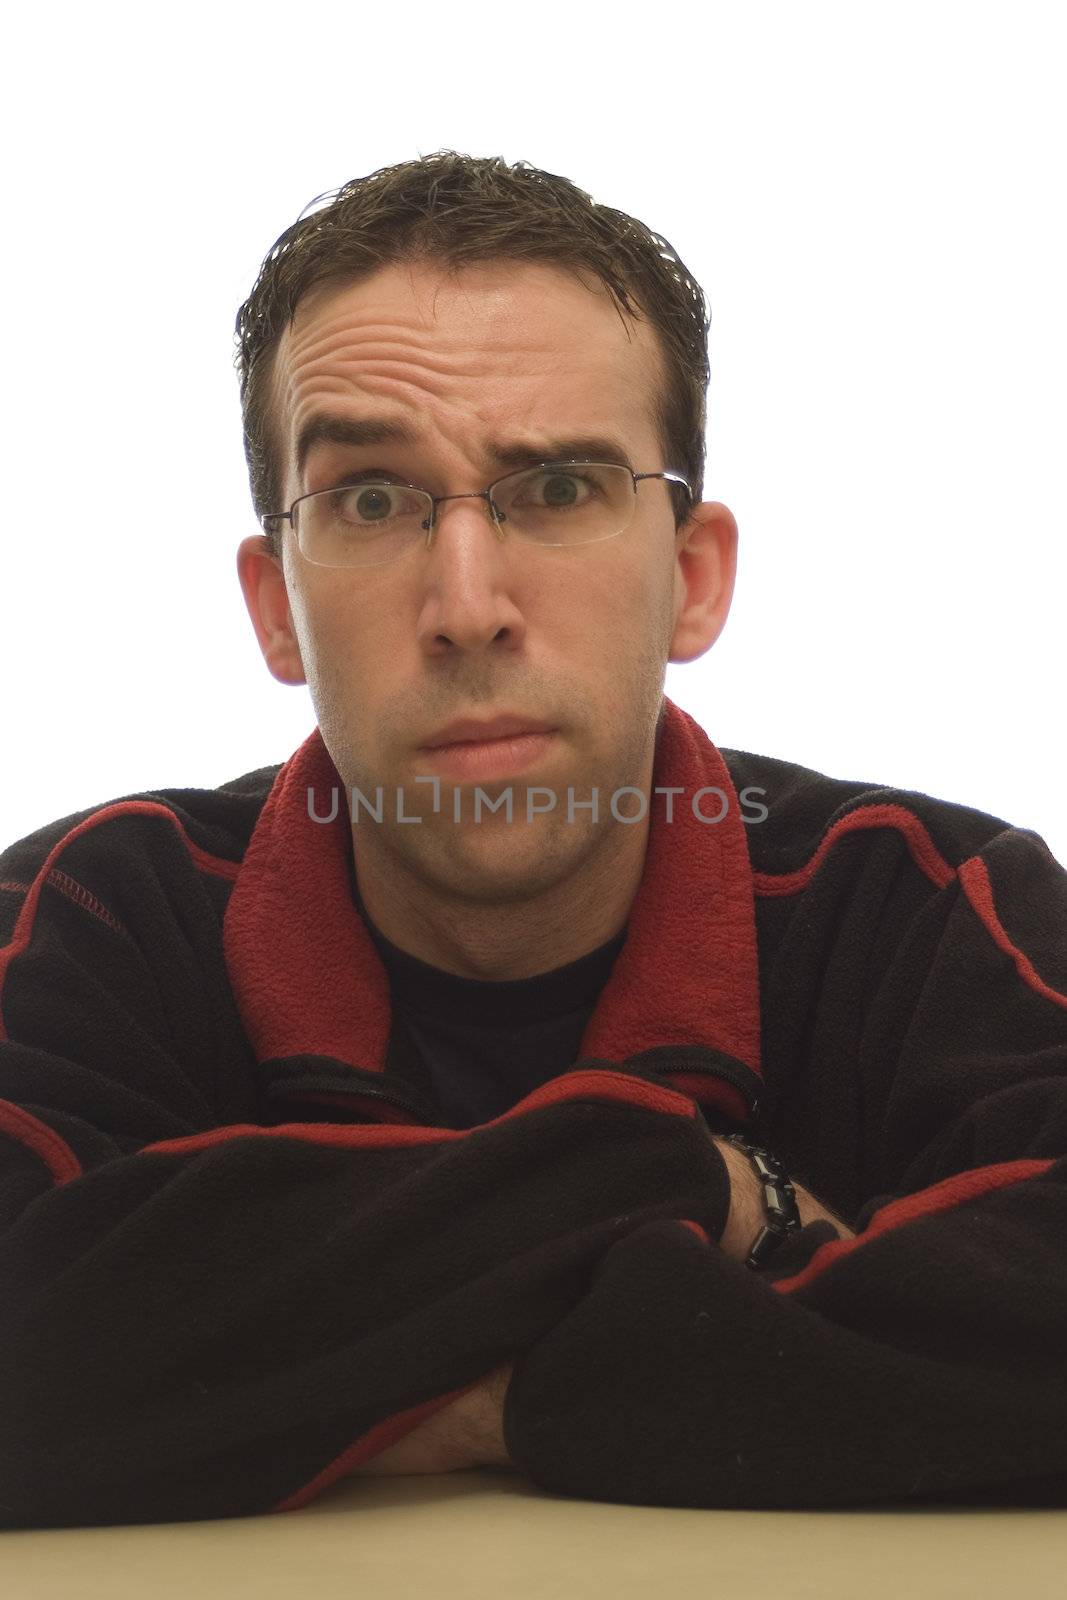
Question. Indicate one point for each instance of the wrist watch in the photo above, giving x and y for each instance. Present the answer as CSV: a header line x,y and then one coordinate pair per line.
x,y
779,1201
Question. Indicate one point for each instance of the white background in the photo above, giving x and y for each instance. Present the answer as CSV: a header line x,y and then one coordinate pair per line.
x,y
872,197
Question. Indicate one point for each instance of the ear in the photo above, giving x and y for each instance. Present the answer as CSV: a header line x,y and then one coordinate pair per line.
x,y
704,574
267,599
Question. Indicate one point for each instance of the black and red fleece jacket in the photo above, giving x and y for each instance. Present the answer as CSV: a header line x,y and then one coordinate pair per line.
x,y
240,1253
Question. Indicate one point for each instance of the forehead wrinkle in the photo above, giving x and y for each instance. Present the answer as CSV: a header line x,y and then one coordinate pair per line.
x,y
311,344
382,349
342,320
316,349
435,376
408,388
319,361
492,332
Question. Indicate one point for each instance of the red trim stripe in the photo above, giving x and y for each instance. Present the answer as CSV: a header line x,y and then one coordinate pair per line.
x,y
924,852
74,891
24,924
593,1083
45,1142
948,1195
974,877
378,1439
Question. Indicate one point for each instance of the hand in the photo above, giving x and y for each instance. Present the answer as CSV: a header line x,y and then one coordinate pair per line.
x,y
469,1432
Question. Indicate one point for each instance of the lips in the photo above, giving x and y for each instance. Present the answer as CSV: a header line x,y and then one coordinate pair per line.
x,y
468,730
488,759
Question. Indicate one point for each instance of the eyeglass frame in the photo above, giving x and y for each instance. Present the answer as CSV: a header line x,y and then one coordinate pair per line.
x,y
485,494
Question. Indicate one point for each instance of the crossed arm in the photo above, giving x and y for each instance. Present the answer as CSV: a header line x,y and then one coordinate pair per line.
x,y
470,1431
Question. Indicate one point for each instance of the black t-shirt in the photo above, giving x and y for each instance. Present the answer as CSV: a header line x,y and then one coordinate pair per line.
x,y
487,1044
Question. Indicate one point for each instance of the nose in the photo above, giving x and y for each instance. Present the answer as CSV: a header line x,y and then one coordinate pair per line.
x,y
467,580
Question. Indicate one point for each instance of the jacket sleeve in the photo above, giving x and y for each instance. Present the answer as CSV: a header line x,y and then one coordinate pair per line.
x,y
924,1359
204,1316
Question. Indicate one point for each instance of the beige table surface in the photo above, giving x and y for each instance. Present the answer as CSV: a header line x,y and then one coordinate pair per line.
x,y
486,1533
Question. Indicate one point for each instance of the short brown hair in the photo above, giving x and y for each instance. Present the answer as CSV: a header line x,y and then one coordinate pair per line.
x,y
453,209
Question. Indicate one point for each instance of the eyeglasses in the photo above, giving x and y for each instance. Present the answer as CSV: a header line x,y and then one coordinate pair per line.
x,y
557,503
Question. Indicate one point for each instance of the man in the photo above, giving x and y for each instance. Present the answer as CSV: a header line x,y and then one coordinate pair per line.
x,y
370,1112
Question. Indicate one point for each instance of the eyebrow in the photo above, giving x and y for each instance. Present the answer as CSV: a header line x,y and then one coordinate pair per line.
x,y
355,432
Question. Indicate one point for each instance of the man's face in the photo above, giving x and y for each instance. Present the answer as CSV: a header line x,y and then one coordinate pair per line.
x,y
477,626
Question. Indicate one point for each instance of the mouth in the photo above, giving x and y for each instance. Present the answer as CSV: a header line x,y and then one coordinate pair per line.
x,y
489,758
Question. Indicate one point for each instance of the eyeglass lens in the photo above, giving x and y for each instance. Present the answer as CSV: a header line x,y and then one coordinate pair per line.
x,y
364,524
